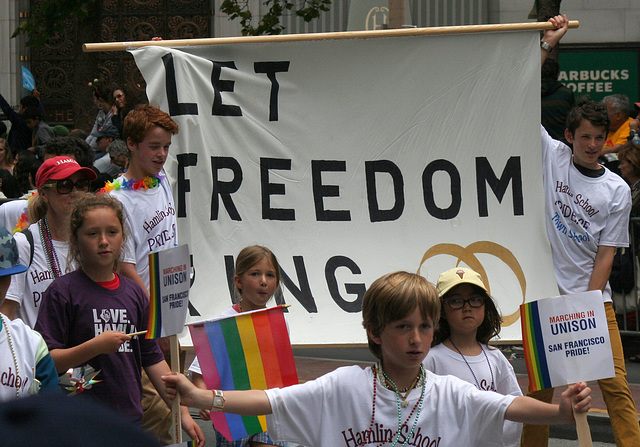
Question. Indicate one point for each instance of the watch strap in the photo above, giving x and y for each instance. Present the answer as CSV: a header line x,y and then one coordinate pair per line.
x,y
218,400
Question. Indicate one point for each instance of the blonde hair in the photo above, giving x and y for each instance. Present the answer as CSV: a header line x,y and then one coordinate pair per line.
x,y
83,204
36,208
392,297
250,256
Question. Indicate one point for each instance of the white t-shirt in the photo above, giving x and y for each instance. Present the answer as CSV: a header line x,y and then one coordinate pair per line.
x,y
582,213
335,410
27,288
104,165
29,348
442,360
150,216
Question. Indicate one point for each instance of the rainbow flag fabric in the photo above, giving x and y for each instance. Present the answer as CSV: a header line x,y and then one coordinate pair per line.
x,y
251,350
154,328
534,353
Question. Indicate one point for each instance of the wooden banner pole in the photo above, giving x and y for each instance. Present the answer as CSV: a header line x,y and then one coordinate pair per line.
x,y
176,417
123,46
582,428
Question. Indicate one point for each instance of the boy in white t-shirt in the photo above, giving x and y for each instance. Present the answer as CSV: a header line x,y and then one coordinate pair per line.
x,y
150,216
587,217
395,402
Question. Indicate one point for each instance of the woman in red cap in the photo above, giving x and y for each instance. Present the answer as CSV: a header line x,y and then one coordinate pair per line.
x,y
43,245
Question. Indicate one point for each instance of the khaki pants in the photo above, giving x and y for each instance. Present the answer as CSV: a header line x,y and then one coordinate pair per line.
x,y
620,405
157,415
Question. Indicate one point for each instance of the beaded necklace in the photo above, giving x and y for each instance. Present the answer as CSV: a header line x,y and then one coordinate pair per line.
x,y
13,352
49,250
493,384
392,386
378,374
149,182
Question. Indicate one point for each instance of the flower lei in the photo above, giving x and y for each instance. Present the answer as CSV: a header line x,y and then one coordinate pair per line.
x,y
149,182
23,220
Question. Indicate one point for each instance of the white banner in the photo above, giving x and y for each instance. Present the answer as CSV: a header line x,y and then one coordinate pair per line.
x,y
353,158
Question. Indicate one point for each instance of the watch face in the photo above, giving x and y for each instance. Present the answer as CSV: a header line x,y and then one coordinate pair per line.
x,y
218,400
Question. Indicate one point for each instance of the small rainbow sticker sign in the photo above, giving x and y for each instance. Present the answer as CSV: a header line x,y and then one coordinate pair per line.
x,y
566,340
536,359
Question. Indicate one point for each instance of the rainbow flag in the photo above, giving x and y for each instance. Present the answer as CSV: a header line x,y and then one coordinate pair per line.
x,y
154,327
533,343
248,351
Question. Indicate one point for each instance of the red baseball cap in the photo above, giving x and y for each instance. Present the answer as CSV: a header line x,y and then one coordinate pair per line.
x,y
58,168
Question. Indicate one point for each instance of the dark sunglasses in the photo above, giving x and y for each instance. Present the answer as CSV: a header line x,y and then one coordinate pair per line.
x,y
458,303
66,185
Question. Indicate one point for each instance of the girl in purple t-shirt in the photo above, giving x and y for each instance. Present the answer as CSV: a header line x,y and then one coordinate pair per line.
x,y
86,315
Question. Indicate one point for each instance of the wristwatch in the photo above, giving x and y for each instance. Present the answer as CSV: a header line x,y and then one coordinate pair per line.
x,y
545,46
218,400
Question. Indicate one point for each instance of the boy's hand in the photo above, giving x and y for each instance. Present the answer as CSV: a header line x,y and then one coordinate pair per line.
x,y
175,383
109,342
553,36
578,397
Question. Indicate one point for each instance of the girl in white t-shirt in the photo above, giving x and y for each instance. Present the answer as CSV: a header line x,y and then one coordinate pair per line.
x,y
469,319
257,277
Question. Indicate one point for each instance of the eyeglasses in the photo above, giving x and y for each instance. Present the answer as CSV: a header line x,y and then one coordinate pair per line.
x,y
458,303
65,186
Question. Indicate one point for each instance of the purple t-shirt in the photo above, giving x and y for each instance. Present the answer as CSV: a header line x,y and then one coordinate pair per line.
x,y
75,309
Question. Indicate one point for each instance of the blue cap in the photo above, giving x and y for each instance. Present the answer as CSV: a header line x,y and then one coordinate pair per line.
x,y
9,256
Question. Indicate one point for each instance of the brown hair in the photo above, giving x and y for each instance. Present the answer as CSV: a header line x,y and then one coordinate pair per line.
x,y
630,153
250,256
83,204
392,297
144,118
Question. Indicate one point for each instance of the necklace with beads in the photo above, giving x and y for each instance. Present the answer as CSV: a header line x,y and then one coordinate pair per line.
x,y
149,182
386,382
13,352
49,250
379,374
493,385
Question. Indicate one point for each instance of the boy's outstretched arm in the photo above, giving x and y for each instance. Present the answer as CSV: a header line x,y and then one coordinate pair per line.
x,y
199,382
532,411
246,403
553,36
